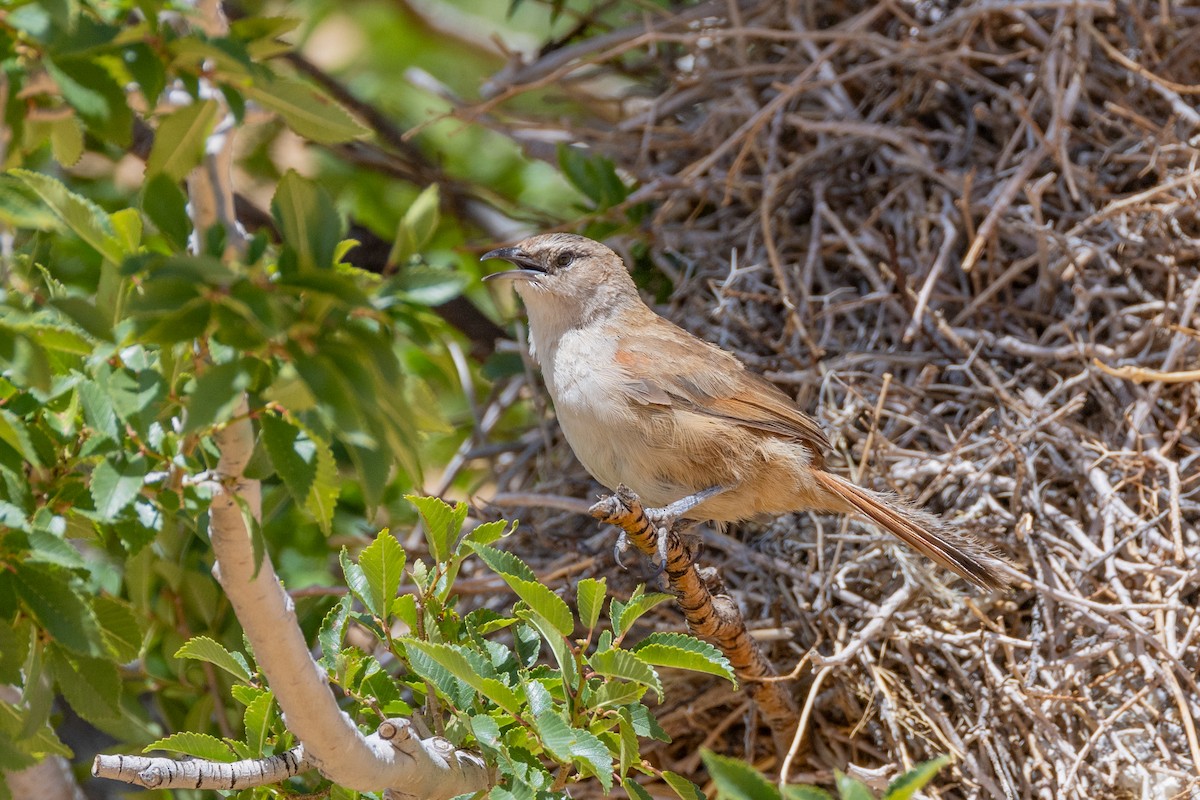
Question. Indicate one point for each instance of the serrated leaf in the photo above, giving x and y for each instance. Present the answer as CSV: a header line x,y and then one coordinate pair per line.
x,y
618,693
198,745
911,782
83,217
572,745
166,206
590,599
382,562
306,111
417,226
635,790
98,99
356,581
308,221
216,394
258,719
323,496
801,792
180,139
91,685
293,454
442,523
737,780
851,788
202,648
116,482
488,532
682,786
623,615
557,643
627,666
62,611
684,652
333,628
503,562
486,730
455,660
14,432
66,140
543,602
421,662
119,626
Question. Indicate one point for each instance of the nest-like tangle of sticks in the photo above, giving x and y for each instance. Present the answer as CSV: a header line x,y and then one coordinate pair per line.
x,y
965,236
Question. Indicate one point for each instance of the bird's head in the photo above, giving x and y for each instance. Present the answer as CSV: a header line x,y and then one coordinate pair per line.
x,y
565,279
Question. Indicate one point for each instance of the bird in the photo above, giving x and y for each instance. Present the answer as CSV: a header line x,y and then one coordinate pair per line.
x,y
683,423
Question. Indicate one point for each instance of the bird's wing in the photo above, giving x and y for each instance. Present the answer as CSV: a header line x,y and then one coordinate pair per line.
x,y
666,371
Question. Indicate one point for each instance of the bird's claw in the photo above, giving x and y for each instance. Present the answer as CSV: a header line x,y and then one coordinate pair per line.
x,y
620,547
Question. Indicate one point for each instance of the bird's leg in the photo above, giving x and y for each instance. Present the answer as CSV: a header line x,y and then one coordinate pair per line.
x,y
664,519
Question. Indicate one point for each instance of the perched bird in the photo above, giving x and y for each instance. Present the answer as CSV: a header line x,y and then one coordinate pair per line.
x,y
680,421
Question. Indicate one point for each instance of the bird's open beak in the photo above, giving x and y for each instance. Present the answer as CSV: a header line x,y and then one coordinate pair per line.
x,y
529,267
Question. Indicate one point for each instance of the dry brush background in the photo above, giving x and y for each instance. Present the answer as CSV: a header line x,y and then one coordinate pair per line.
x,y
966,236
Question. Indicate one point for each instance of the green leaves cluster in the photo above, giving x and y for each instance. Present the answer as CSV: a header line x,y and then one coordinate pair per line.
x,y
74,63
737,780
544,726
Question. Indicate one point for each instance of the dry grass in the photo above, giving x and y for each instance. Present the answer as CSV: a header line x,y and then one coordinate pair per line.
x,y
965,236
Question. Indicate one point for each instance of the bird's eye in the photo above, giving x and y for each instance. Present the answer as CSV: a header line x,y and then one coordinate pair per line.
x,y
564,260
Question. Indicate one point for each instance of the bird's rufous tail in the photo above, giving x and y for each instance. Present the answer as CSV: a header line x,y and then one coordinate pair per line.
x,y
949,546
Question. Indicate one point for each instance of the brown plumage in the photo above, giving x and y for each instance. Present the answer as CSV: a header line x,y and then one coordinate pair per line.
x,y
645,403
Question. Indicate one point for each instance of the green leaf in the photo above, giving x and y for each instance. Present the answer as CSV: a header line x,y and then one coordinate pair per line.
x,y
382,563
91,685
623,615
66,140
197,745
323,496
590,599
682,786
308,221
356,581
635,790
333,628
166,206
800,792
202,648
120,627
851,788
217,392
258,719
180,139
488,532
417,226
293,454
306,111
460,693
737,780
456,661
47,592
98,99
558,645
911,782
684,652
442,523
625,665
572,745
116,483
503,562
83,217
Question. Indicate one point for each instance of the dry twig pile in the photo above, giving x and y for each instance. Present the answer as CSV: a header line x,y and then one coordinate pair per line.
x,y
966,236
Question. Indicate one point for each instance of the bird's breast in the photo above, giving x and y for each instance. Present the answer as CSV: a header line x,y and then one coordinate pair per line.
x,y
592,405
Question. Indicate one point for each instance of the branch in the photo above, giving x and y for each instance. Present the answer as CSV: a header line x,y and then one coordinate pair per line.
x,y
717,619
